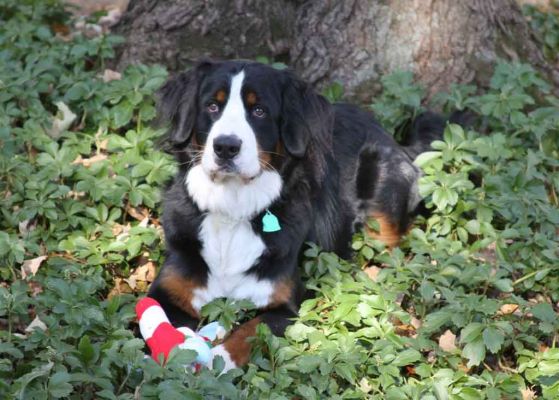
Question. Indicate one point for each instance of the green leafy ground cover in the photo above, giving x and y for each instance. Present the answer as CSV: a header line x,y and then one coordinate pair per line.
x,y
466,308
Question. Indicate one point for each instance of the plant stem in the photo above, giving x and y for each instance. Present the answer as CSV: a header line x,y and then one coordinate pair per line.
x,y
525,277
10,320
124,380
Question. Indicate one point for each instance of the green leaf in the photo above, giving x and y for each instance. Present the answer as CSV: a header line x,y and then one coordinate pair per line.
x,y
334,92
308,363
86,349
474,352
473,227
425,158
25,380
367,252
544,312
493,339
471,333
142,169
307,392
406,357
504,285
542,274
122,114
76,92
436,319
59,385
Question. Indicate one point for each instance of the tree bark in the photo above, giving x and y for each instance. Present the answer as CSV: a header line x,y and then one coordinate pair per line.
x,y
351,41
177,32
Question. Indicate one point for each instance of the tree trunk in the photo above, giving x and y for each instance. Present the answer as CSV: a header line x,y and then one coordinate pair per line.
x,y
351,41
177,32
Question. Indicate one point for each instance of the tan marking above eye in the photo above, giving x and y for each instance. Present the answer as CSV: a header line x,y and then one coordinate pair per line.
x,y
220,96
251,98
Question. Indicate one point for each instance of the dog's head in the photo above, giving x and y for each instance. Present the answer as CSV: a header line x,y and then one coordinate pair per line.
x,y
238,119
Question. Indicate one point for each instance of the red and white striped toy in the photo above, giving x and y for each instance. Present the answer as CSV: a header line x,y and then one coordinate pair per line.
x,y
161,337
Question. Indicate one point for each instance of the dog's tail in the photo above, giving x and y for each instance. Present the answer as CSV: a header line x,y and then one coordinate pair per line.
x,y
428,127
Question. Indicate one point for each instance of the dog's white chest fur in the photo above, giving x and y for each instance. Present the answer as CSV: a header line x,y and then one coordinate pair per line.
x,y
229,245
230,248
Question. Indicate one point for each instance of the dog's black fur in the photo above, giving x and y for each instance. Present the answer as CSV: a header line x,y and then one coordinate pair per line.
x,y
338,168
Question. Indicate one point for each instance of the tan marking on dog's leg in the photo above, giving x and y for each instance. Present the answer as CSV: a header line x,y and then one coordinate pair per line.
x,y
388,233
180,291
283,291
237,345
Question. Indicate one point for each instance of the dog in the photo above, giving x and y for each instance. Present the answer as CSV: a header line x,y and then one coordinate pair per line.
x,y
267,164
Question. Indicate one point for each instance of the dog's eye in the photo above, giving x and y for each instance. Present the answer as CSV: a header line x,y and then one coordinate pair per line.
x,y
258,112
213,108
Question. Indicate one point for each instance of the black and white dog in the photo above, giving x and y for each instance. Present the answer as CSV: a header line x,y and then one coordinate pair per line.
x,y
267,164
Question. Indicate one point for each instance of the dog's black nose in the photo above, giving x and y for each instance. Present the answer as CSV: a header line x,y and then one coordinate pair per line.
x,y
227,147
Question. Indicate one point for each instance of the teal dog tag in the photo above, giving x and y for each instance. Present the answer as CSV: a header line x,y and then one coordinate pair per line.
x,y
270,222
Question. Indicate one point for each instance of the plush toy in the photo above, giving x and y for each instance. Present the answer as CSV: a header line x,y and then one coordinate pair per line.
x,y
161,337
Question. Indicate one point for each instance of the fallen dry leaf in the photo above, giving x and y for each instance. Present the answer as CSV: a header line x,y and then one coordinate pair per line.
x,y
88,29
35,287
372,272
123,234
120,287
138,281
464,368
542,347
404,330
508,308
138,213
102,144
75,195
410,370
528,394
365,386
27,226
62,121
415,323
113,16
110,75
30,267
132,282
36,324
431,357
145,273
60,29
447,341
119,229
400,298
86,162
87,7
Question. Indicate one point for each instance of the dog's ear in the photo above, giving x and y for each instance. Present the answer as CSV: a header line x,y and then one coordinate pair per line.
x,y
306,116
177,103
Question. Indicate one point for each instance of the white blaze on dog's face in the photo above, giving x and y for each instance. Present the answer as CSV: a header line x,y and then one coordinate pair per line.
x,y
231,149
234,125
238,129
